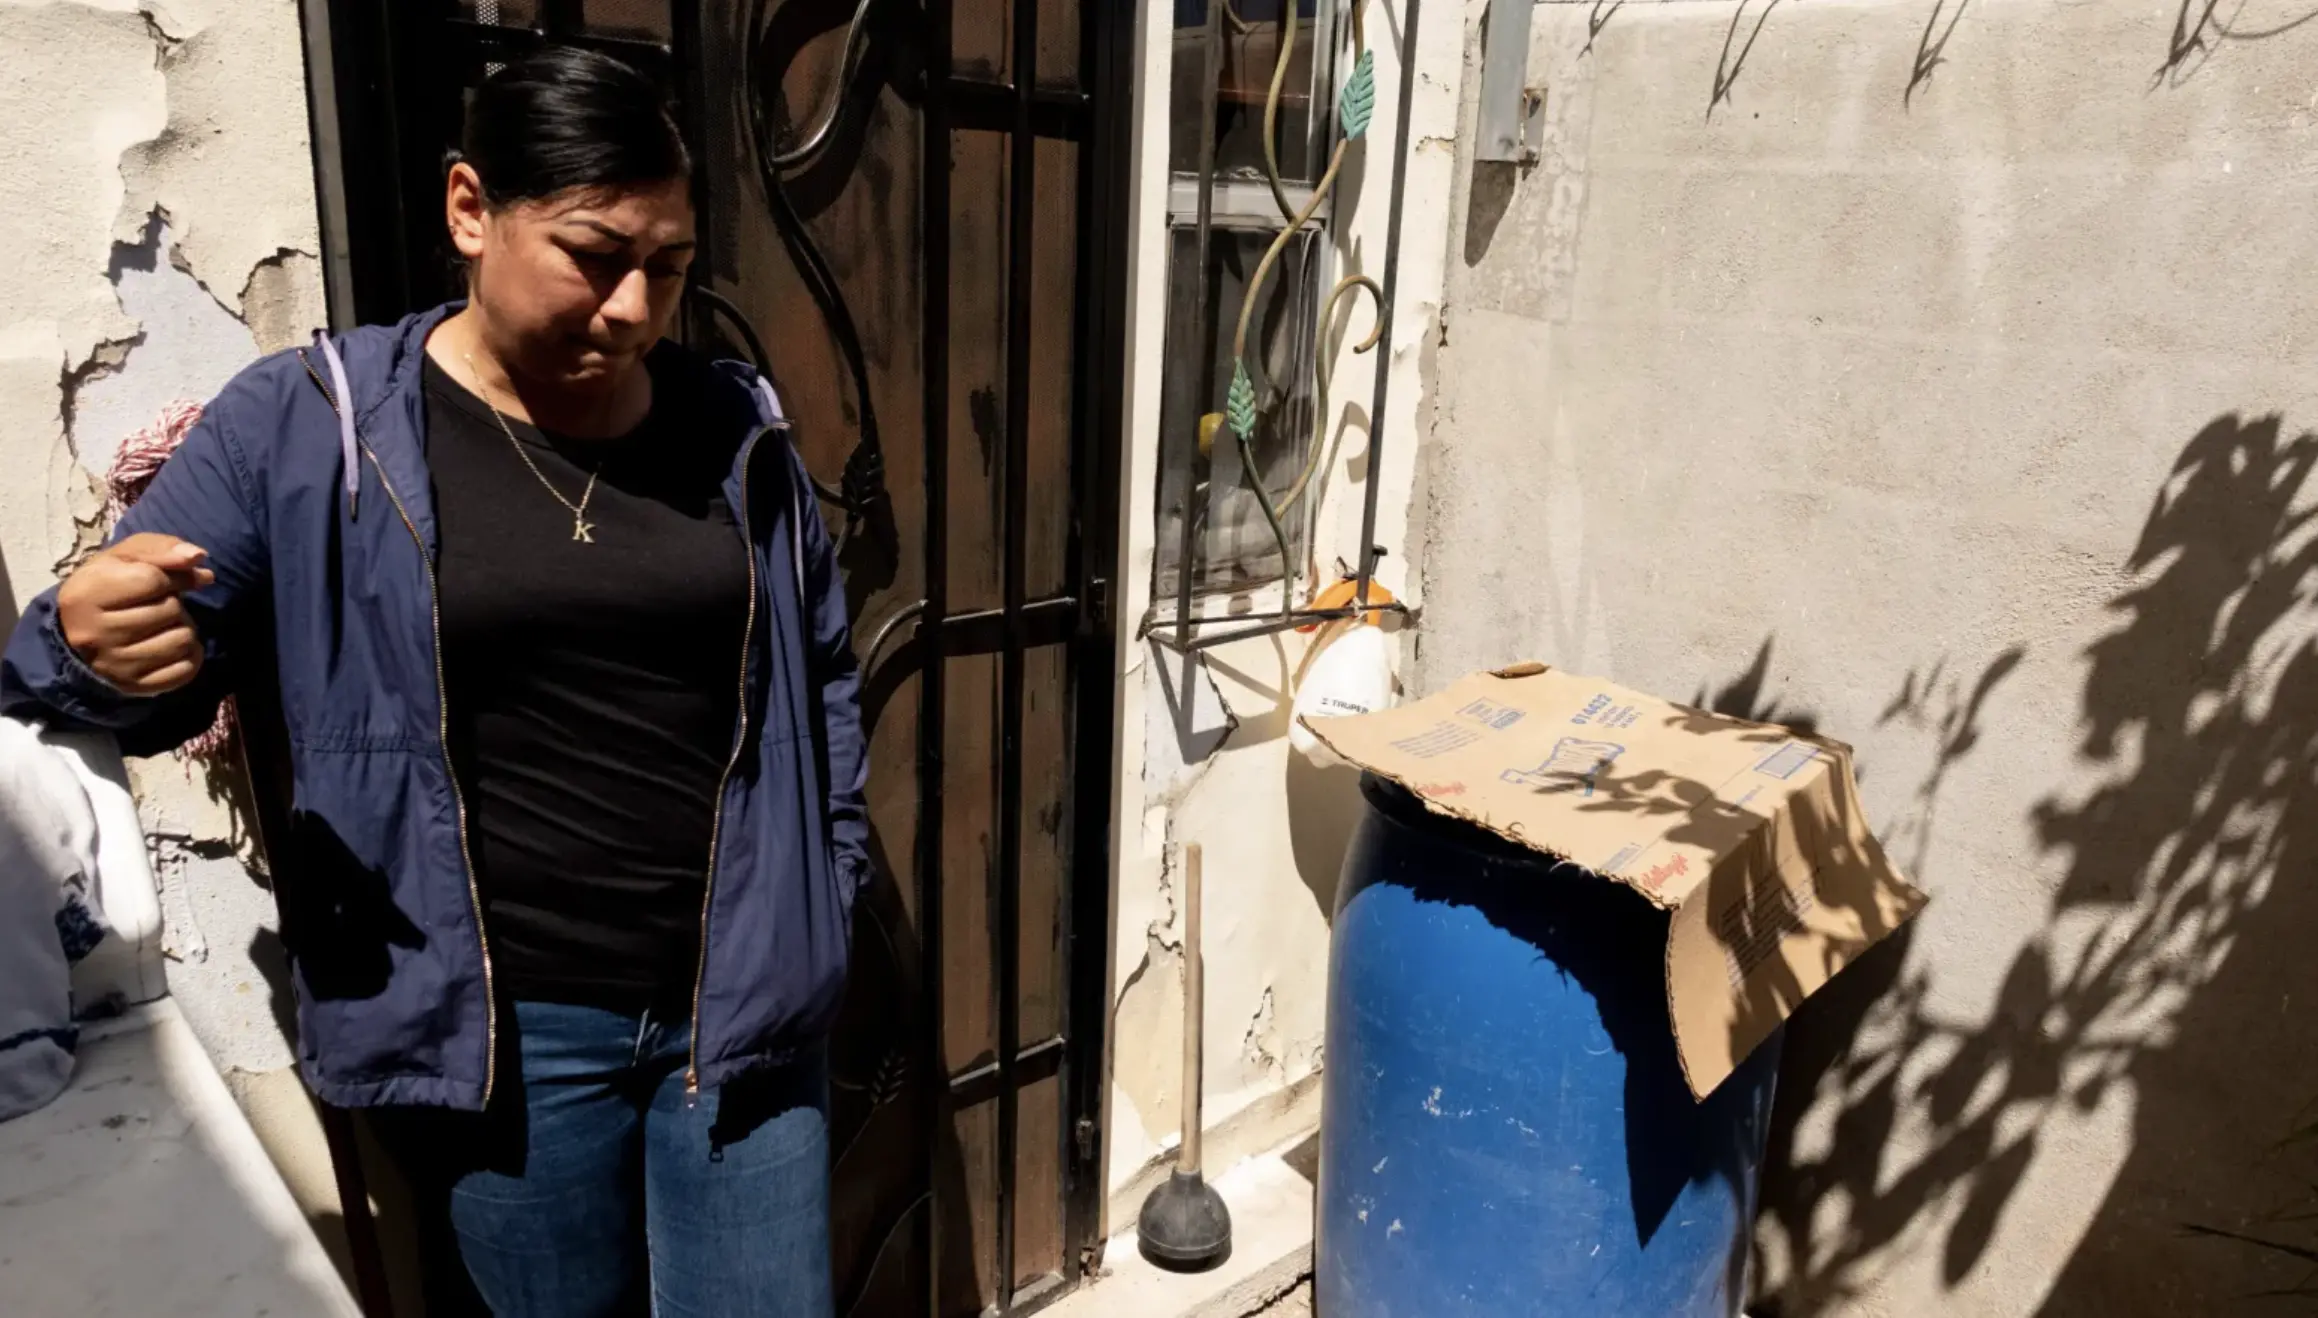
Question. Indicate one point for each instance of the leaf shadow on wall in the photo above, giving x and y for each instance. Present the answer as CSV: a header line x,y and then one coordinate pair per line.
x,y
1932,49
1734,54
1742,697
2200,28
1603,11
2157,988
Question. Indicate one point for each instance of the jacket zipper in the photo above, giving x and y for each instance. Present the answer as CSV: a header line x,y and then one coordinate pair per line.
x,y
458,801
442,736
724,780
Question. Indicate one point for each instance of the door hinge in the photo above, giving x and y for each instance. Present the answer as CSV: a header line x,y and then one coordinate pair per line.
x,y
1087,1133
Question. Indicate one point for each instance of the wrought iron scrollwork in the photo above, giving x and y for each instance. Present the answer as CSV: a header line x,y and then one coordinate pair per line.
x,y
1355,106
880,1066
1243,407
860,491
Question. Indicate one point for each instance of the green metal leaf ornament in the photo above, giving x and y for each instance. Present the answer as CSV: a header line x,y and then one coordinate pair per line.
x,y
1239,405
1357,103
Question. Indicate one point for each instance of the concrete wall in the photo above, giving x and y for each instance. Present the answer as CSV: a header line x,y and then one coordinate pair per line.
x,y
1945,374
1203,750
155,169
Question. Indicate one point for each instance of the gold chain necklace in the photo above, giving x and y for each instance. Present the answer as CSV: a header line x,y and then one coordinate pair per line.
x,y
582,530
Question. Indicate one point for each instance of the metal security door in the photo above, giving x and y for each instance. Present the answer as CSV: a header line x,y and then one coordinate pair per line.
x,y
912,216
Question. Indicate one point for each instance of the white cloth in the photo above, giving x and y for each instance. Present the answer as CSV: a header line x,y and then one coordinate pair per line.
x,y
126,968
70,847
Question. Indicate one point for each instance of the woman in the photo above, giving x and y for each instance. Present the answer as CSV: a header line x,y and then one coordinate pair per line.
x,y
564,664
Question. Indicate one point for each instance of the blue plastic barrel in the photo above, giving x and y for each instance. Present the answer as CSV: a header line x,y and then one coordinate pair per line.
x,y
1506,1129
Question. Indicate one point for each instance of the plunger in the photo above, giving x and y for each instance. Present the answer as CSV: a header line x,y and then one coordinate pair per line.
x,y
1185,1226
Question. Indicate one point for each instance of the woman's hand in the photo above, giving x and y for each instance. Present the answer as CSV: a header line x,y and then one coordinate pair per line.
x,y
121,613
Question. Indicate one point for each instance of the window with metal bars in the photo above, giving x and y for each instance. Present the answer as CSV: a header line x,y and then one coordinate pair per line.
x,y
1223,65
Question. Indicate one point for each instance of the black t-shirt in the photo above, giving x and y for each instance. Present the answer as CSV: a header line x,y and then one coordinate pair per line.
x,y
594,688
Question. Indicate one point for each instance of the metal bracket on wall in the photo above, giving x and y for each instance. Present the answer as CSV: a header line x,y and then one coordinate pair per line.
x,y
1511,110
1166,633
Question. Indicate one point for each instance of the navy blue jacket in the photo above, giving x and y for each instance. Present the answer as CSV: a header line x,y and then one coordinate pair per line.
x,y
325,585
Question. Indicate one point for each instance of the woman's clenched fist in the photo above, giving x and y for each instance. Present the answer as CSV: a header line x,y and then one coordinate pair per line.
x,y
121,613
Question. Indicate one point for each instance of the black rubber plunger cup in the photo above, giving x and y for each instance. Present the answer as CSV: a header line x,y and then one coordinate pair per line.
x,y
1185,1226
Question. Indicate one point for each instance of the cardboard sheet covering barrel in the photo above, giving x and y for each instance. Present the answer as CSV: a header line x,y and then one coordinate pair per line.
x,y
1749,835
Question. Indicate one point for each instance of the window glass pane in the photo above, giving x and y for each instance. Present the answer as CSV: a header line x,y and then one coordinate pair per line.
x,y
1250,49
1235,547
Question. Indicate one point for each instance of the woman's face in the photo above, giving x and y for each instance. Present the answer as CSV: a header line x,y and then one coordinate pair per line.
x,y
577,287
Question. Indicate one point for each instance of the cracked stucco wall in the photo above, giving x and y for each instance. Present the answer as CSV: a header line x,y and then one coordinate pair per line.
x,y
1948,374
1203,751
155,167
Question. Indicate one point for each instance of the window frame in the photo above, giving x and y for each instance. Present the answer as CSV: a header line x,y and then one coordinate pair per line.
x,y
1227,560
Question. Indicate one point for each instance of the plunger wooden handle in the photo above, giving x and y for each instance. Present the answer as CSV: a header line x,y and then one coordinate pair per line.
x,y
1194,1017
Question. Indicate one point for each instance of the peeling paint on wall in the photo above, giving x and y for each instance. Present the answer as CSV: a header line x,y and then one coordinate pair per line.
x,y
157,175
1260,1045
1148,1011
1184,728
86,81
1149,1022
1203,746
175,129
187,347
232,164
282,302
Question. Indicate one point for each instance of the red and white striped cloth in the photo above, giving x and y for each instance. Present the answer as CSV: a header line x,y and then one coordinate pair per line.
x,y
133,469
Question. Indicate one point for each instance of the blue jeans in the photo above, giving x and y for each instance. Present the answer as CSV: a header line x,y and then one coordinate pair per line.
x,y
595,1181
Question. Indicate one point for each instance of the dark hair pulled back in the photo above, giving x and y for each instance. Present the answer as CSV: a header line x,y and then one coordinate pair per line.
x,y
564,118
